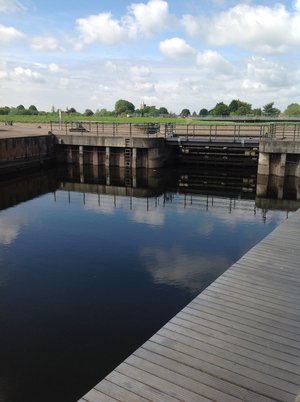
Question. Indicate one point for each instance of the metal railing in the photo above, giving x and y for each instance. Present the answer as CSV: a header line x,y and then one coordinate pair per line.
x,y
210,132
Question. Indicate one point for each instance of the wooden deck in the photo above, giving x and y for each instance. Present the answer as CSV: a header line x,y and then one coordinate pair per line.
x,y
239,340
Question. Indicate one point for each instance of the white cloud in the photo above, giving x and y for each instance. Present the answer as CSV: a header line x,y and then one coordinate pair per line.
x,y
10,6
262,74
142,20
146,19
9,34
45,44
101,28
258,28
26,74
54,68
297,5
176,48
214,63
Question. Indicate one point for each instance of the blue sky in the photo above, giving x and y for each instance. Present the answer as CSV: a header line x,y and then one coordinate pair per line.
x,y
191,54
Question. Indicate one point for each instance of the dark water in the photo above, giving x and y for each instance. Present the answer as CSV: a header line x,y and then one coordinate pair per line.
x,y
91,267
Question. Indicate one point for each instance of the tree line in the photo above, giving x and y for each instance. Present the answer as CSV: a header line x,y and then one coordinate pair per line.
x,y
125,108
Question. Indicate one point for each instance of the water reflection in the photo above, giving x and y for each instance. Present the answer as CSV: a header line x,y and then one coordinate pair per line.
x,y
165,266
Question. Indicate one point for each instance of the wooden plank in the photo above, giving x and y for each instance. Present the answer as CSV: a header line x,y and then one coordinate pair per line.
x,y
234,365
259,352
115,391
192,322
219,372
238,354
200,392
245,310
247,329
257,287
226,388
96,396
125,379
169,391
247,319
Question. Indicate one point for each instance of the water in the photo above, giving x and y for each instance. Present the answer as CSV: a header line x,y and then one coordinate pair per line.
x,y
90,268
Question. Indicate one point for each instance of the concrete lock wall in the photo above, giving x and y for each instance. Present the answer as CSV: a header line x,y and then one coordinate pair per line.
x,y
24,152
114,151
279,158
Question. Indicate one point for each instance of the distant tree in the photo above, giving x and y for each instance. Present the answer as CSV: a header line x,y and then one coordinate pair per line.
x,y
257,111
71,110
270,110
221,109
124,106
150,111
203,112
163,110
239,108
53,110
194,114
185,113
4,110
33,110
20,110
88,112
233,105
292,110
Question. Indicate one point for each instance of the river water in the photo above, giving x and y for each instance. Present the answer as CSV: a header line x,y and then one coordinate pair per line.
x,y
93,263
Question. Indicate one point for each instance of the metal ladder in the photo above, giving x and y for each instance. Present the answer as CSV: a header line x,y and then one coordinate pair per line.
x,y
127,163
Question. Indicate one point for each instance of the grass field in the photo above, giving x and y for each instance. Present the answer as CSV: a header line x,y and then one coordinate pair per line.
x,y
67,118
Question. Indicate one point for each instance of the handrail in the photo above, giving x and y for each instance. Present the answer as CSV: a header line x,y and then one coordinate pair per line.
x,y
236,132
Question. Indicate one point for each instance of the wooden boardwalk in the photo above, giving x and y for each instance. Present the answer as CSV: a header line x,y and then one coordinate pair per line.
x,y
239,340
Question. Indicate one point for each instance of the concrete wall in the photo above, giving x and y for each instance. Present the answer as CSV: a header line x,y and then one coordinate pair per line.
x,y
148,153
279,158
23,152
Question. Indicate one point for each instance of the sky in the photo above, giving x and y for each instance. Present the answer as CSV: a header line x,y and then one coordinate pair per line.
x,y
168,53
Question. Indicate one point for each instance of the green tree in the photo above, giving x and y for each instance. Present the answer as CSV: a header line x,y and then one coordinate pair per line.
x,y
239,108
163,110
257,112
150,111
33,110
20,110
185,113
234,105
221,109
292,110
270,110
203,112
4,110
88,112
124,106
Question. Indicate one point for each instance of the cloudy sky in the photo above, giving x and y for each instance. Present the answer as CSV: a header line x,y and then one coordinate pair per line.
x,y
173,53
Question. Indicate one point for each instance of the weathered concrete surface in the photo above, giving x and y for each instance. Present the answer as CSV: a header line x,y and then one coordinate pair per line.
x,y
280,147
24,152
118,142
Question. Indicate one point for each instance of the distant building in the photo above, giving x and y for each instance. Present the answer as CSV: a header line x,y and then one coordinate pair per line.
x,y
142,106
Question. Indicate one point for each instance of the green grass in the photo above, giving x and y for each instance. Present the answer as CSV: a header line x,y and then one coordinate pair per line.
x,y
110,119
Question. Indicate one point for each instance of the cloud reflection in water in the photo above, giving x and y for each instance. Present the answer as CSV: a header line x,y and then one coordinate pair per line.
x,y
176,267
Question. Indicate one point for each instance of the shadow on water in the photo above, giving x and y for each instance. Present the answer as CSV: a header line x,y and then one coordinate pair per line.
x,y
94,261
